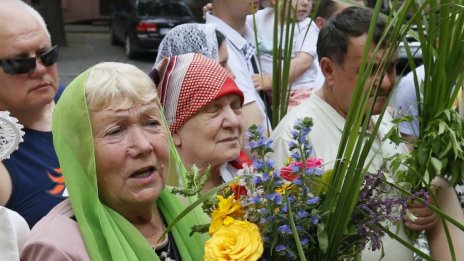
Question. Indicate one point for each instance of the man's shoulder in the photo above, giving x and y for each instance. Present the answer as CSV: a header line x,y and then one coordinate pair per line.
x,y
305,109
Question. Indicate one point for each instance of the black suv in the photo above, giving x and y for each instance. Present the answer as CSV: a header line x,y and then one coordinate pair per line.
x,y
141,24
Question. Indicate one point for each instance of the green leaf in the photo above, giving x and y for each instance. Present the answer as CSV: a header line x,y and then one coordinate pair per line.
x,y
441,127
322,238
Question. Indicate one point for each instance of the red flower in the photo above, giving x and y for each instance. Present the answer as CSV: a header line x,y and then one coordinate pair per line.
x,y
286,173
238,190
313,163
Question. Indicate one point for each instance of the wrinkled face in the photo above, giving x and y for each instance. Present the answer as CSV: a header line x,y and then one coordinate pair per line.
x,y
302,8
131,154
343,79
213,135
20,93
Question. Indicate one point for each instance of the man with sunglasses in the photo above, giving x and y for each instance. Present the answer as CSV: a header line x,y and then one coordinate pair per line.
x,y
30,181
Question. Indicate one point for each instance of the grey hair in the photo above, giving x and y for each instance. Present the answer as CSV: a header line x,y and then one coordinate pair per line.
x,y
118,86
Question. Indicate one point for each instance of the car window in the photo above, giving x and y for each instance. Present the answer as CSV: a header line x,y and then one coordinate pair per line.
x,y
163,9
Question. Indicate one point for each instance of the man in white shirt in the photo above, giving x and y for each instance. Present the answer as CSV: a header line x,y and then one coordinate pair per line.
x,y
230,19
340,48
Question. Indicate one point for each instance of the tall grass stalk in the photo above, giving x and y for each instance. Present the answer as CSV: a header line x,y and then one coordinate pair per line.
x,y
442,43
357,139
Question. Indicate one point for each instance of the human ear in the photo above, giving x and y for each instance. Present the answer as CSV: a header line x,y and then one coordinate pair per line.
x,y
176,139
320,22
327,69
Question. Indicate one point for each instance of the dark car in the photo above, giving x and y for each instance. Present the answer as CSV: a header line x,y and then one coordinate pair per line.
x,y
141,24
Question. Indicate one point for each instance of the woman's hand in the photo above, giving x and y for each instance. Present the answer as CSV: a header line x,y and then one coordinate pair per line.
x,y
425,217
262,82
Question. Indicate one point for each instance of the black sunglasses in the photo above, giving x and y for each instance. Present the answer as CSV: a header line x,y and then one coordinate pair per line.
x,y
27,65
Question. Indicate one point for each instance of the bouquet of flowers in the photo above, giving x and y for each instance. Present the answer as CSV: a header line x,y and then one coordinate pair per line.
x,y
276,214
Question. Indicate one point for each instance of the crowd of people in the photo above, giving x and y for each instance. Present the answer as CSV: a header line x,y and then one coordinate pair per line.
x,y
88,181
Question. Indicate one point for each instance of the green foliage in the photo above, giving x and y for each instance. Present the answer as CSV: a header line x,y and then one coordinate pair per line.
x,y
437,152
438,149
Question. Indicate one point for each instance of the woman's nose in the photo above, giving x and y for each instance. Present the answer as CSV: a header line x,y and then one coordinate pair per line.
x,y
139,143
231,118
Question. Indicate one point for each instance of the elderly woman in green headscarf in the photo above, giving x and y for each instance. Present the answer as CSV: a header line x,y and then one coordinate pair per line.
x,y
114,150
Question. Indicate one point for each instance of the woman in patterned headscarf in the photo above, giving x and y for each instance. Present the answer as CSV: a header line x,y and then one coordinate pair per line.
x,y
203,107
194,38
113,146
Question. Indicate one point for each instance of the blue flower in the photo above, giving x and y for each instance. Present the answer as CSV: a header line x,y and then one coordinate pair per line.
x,y
309,171
308,151
313,200
265,143
270,218
301,214
292,144
318,171
304,241
284,209
295,168
254,200
265,177
255,180
291,199
295,156
270,163
275,174
315,220
279,248
276,197
285,229
294,134
258,164
253,144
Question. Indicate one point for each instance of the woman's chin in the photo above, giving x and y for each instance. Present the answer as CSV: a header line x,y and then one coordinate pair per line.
x,y
147,195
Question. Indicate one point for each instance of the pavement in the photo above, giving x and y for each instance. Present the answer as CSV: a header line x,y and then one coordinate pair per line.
x,y
88,45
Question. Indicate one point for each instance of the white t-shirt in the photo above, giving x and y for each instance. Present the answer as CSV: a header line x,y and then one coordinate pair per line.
x,y
304,40
13,234
241,68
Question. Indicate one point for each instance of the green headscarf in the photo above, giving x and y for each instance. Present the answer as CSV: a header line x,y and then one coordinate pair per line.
x,y
107,234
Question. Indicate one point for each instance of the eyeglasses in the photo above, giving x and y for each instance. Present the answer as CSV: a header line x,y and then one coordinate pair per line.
x,y
27,65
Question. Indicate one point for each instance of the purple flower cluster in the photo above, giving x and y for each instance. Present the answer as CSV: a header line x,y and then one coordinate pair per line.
x,y
379,204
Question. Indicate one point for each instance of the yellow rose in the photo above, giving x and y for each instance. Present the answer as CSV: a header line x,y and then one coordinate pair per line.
x,y
239,240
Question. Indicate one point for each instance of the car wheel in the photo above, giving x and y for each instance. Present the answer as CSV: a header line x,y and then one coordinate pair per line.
x,y
130,53
113,39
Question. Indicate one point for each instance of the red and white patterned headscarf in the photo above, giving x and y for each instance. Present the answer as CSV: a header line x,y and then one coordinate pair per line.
x,y
189,82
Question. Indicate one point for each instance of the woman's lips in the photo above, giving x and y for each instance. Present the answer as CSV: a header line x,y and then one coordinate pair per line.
x,y
230,139
144,176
